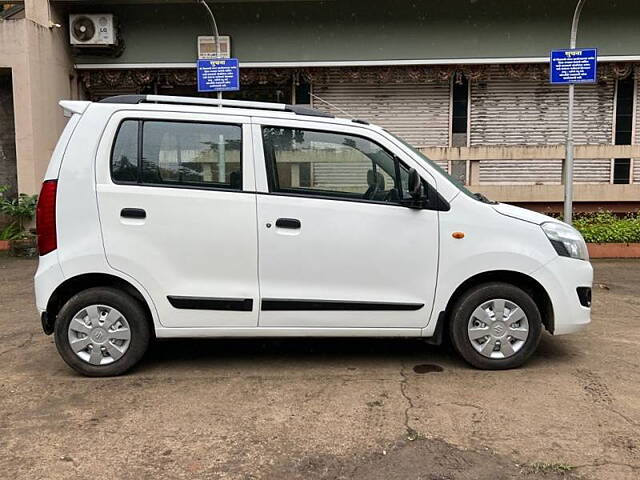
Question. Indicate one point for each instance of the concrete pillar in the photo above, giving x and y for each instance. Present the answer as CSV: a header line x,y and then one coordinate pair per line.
x,y
41,66
38,11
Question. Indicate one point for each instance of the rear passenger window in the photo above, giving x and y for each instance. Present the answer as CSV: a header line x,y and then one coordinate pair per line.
x,y
191,153
179,153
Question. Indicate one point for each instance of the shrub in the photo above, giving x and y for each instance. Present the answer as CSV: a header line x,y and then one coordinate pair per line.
x,y
9,232
21,209
605,227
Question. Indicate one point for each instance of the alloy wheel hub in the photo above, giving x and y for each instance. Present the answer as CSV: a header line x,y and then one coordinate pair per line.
x,y
498,328
99,334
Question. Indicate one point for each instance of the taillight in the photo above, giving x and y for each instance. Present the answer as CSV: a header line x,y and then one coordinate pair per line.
x,y
46,217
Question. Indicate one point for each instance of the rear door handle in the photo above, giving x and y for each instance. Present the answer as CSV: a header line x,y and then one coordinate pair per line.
x,y
133,213
292,223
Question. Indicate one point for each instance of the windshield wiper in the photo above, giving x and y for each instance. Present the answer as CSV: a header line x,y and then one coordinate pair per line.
x,y
483,199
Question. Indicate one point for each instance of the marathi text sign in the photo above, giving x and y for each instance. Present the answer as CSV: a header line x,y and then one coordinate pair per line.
x,y
218,75
579,65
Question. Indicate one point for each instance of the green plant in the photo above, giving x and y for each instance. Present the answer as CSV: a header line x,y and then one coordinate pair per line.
x,y
9,232
605,227
21,209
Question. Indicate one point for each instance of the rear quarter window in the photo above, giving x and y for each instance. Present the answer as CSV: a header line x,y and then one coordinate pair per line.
x,y
124,158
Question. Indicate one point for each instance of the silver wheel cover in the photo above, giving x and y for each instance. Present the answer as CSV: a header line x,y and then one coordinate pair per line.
x,y
99,334
498,328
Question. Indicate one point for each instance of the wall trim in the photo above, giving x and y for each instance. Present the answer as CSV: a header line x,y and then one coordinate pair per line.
x,y
530,152
355,63
582,192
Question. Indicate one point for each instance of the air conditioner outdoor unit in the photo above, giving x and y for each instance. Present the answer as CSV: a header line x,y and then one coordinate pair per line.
x,y
92,29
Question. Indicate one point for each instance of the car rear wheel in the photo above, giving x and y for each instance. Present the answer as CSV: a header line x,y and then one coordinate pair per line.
x,y
495,326
102,332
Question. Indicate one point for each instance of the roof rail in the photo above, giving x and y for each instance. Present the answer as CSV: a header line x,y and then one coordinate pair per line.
x,y
282,107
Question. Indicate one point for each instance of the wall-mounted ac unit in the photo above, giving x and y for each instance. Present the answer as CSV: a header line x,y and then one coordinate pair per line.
x,y
92,29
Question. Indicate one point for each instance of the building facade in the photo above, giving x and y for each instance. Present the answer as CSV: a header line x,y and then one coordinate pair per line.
x,y
467,82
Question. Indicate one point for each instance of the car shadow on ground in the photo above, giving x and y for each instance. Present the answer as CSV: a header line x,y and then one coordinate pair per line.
x,y
321,352
316,352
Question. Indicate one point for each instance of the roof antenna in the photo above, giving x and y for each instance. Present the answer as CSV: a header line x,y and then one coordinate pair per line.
x,y
331,105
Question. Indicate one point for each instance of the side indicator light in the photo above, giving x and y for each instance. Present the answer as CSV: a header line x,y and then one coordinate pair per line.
x,y
457,235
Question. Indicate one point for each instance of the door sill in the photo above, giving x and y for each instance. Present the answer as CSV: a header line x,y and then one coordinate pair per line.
x,y
212,332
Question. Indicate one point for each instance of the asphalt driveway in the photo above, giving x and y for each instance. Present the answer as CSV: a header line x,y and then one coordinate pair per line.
x,y
307,409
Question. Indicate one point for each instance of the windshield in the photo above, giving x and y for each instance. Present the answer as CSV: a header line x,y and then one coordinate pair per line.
x,y
456,182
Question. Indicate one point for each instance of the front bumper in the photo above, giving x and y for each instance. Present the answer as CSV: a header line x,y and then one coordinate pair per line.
x,y
561,278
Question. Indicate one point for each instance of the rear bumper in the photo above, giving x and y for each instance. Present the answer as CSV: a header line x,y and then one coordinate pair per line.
x,y
561,278
47,278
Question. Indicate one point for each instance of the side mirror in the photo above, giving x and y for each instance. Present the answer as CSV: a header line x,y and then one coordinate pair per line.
x,y
416,189
417,197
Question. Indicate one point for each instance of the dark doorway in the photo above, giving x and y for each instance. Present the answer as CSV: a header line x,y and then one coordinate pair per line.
x,y
459,123
8,170
624,127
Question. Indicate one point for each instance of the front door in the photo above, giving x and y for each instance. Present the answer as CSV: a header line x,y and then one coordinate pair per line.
x,y
337,247
178,214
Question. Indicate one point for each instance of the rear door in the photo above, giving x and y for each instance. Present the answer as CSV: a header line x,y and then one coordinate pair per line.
x,y
337,248
178,214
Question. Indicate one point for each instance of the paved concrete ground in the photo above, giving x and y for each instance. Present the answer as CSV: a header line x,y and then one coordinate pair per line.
x,y
311,409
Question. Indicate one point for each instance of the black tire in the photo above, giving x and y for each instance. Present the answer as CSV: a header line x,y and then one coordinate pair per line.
x,y
128,306
472,299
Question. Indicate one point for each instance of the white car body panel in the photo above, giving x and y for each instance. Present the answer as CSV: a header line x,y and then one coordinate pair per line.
x,y
492,242
53,169
560,278
80,250
47,278
193,243
345,251
368,240
522,214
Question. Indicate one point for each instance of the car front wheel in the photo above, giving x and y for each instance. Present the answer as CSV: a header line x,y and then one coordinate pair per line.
x,y
495,326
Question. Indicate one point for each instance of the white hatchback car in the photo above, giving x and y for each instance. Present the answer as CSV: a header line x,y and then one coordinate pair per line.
x,y
190,217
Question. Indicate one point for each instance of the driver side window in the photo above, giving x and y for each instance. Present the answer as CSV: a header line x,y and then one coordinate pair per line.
x,y
336,165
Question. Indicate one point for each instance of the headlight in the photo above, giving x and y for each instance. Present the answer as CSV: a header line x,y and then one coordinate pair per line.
x,y
566,240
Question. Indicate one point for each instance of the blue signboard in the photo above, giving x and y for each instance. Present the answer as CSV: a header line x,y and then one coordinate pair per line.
x,y
579,65
218,75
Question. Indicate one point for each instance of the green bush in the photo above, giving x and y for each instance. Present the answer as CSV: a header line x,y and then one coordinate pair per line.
x,y
9,232
605,227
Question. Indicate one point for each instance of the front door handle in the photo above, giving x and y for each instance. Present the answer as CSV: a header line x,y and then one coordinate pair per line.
x,y
292,223
133,213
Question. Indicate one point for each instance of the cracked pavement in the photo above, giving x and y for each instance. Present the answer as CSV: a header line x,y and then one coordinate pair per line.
x,y
325,408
